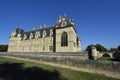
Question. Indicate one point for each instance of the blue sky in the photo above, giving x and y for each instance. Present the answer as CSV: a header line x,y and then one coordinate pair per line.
x,y
97,21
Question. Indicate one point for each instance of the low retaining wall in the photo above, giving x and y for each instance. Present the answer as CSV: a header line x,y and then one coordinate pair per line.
x,y
79,60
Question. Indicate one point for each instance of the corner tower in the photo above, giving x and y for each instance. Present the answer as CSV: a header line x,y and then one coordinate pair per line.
x,y
15,40
66,36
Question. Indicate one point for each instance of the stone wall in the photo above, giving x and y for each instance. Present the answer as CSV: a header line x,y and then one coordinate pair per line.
x,y
79,60
33,45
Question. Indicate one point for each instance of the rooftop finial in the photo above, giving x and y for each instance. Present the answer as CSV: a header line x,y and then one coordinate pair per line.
x,y
60,18
72,21
65,15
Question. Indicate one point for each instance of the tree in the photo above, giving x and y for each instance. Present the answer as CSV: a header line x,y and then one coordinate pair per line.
x,y
89,46
100,48
3,48
118,48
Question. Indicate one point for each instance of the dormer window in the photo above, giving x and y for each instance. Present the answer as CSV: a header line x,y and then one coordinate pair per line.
x,y
44,33
37,34
25,36
63,24
31,35
51,32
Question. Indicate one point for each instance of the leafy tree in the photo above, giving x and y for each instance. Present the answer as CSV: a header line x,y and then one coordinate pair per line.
x,y
3,48
88,47
113,49
118,48
100,48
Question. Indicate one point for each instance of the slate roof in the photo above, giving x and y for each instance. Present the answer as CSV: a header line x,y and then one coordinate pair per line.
x,y
59,24
47,30
17,31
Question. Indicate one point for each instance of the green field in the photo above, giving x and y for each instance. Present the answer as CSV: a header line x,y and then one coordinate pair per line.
x,y
12,69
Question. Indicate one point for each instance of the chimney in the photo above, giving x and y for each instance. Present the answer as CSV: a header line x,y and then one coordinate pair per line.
x,y
40,27
45,25
33,28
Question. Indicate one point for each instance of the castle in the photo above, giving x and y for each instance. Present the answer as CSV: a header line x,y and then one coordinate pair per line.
x,y
62,37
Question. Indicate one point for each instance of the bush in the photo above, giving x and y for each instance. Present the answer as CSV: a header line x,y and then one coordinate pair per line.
x,y
3,48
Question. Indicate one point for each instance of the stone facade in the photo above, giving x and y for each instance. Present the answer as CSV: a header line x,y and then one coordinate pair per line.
x,y
62,37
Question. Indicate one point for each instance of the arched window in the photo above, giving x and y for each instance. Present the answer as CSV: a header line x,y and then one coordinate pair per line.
x,y
31,36
37,34
63,24
44,33
64,39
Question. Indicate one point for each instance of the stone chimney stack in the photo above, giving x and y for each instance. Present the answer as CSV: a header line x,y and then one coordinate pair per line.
x,y
45,25
33,28
40,27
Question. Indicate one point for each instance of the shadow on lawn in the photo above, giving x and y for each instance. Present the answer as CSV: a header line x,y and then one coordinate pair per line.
x,y
16,71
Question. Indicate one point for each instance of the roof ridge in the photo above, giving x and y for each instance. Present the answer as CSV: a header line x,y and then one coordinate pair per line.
x,y
39,29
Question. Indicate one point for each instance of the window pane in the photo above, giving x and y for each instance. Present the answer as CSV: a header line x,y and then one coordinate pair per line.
x,y
64,39
50,48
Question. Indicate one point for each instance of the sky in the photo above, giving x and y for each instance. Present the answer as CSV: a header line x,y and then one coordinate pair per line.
x,y
97,21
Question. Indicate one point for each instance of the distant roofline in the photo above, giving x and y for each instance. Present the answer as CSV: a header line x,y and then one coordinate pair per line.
x,y
39,29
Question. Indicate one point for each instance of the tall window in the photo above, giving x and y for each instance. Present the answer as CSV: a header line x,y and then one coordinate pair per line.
x,y
50,48
43,48
77,40
64,39
51,40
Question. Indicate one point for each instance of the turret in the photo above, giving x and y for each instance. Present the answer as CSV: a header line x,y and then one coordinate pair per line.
x,y
64,21
14,44
17,32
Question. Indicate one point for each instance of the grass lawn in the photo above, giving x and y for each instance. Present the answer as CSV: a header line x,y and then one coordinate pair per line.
x,y
12,69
